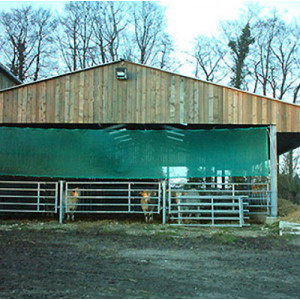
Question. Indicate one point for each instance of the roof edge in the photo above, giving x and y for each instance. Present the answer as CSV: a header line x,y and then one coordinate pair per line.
x,y
61,75
151,67
215,84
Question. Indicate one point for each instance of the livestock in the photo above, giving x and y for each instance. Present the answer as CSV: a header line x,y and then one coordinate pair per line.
x,y
73,199
148,201
175,196
188,202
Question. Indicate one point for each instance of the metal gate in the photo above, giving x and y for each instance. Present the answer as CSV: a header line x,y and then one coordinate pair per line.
x,y
28,196
111,197
191,206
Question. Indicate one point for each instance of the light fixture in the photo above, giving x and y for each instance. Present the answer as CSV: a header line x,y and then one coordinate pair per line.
x,y
121,73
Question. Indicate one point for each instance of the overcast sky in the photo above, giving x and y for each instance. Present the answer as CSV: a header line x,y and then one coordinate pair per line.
x,y
186,18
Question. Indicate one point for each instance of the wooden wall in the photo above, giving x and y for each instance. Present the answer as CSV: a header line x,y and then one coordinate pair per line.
x,y
148,96
5,82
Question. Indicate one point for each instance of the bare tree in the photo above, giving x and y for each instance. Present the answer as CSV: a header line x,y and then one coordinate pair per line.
x,y
295,93
148,27
98,32
75,37
265,33
110,21
285,52
209,55
27,40
45,41
163,57
273,62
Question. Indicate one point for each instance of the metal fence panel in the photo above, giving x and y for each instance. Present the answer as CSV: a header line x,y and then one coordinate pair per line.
x,y
111,197
258,194
189,207
28,196
204,202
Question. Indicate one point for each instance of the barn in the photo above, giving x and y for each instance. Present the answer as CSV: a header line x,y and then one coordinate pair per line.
x,y
7,79
107,138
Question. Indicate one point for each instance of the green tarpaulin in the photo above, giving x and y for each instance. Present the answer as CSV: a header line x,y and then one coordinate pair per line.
x,y
133,154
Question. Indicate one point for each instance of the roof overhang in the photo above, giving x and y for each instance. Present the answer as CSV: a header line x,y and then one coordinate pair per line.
x,y
287,141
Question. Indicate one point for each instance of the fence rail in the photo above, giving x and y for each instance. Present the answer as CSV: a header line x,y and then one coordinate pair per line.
x,y
111,197
258,194
203,202
28,196
187,207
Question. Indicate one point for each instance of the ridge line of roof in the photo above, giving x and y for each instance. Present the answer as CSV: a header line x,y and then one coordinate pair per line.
x,y
60,75
151,67
213,83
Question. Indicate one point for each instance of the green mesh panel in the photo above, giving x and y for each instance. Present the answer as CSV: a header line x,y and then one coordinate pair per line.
x,y
136,154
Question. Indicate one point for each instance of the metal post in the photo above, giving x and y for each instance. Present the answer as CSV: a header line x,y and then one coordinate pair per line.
x,y
61,197
169,198
241,211
159,188
129,197
212,212
164,202
179,210
233,194
268,196
39,197
56,197
273,165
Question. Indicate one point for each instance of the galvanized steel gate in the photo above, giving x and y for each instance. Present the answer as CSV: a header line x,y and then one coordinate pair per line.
x,y
189,204
216,204
29,196
110,197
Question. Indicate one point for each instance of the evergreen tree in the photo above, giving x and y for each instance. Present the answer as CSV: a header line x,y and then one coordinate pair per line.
x,y
240,49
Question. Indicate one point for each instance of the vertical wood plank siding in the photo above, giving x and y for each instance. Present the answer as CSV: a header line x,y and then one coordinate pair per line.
x,y
147,96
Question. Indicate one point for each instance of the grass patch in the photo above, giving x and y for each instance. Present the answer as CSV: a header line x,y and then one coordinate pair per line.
x,y
165,233
225,237
273,229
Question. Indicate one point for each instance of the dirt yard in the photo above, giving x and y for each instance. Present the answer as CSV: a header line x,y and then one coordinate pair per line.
x,y
111,259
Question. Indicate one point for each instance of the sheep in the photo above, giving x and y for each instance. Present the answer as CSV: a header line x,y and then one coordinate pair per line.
x,y
186,202
192,197
147,204
73,199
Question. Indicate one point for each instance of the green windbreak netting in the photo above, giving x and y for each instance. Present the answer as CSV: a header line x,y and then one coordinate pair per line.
x,y
135,154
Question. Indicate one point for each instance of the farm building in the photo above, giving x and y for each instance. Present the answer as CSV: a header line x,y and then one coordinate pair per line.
x,y
7,79
128,138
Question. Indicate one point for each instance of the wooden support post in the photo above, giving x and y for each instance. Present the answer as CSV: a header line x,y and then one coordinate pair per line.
x,y
273,165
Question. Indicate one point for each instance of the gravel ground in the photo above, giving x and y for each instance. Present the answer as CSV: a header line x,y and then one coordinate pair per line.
x,y
119,259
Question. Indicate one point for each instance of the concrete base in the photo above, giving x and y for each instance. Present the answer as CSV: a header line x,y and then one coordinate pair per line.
x,y
271,220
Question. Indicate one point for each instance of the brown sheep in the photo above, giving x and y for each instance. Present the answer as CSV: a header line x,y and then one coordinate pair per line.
x,y
73,199
147,202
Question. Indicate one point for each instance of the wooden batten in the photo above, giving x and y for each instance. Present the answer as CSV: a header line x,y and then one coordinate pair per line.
x,y
149,95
